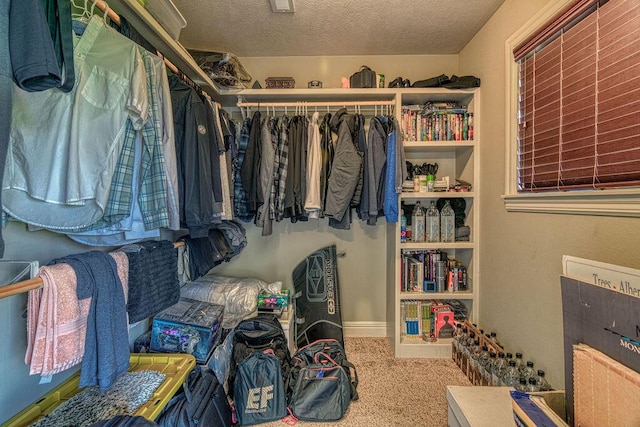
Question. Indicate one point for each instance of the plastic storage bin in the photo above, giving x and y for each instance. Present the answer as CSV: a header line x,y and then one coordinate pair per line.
x,y
190,326
168,16
176,367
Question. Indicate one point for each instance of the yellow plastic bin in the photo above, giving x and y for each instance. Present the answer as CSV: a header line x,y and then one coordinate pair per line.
x,y
176,367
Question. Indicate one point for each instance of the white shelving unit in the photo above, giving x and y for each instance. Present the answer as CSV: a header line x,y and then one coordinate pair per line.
x,y
456,159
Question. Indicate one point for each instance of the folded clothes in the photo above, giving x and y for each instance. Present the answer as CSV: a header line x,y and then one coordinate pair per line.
x,y
464,231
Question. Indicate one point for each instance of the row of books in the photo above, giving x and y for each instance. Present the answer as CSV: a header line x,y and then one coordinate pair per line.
x,y
430,270
439,125
429,319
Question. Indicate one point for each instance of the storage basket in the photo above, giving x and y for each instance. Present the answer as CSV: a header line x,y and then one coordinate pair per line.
x,y
280,83
176,367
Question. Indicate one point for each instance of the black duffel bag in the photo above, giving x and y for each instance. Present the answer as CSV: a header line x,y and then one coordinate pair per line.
x,y
203,403
365,78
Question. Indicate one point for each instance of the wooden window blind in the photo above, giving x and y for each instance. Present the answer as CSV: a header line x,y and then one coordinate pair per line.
x,y
579,99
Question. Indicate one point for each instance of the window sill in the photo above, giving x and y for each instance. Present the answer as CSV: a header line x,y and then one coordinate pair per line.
x,y
622,203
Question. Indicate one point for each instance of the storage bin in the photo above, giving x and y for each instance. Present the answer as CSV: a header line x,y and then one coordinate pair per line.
x,y
190,326
168,16
176,367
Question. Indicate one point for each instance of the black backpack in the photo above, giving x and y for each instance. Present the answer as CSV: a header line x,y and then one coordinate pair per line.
x,y
322,382
202,402
259,333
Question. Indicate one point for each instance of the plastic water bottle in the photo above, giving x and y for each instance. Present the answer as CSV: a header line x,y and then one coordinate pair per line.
x,y
541,381
498,369
511,375
520,363
528,371
532,385
403,228
521,385
418,223
447,224
433,223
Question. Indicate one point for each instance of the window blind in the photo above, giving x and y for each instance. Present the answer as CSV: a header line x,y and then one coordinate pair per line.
x,y
579,99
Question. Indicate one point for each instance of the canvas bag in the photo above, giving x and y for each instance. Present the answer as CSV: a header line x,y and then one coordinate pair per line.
x,y
259,389
322,382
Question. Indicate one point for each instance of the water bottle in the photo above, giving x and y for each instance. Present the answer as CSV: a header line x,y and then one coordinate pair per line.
x,y
473,360
528,371
532,385
498,369
520,363
417,221
521,385
488,369
403,228
541,381
511,375
483,359
447,224
433,223
494,339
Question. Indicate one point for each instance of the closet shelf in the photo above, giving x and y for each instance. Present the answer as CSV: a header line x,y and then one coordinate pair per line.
x,y
172,50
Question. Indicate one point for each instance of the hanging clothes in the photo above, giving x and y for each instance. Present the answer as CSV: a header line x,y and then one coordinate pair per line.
x,y
240,208
137,204
296,169
396,171
281,164
81,151
376,164
194,142
250,172
345,168
313,201
269,142
327,148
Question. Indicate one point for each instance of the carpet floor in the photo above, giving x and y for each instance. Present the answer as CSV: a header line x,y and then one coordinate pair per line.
x,y
394,392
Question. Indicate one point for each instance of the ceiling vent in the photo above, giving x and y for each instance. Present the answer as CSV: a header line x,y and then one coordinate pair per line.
x,y
279,6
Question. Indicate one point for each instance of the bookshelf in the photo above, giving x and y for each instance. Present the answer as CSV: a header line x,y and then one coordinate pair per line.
x,y
457,158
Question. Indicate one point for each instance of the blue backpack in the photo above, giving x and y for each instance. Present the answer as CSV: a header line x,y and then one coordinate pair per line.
x,y
259,391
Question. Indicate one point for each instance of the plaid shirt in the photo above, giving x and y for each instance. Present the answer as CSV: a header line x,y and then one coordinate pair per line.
x,y
281,160
153,195
240,196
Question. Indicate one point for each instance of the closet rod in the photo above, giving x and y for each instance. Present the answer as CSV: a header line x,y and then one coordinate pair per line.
x,y
35,283
316,104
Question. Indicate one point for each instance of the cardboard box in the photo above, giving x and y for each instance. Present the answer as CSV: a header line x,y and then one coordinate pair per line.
x,y
604,319
541,409
190,326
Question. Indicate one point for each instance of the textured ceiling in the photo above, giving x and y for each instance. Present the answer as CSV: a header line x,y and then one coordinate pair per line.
x,y
333,27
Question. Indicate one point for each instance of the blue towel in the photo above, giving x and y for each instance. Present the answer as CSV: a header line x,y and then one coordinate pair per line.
x,y
106,350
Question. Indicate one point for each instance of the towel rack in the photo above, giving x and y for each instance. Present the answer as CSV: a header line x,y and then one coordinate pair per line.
x,y
35,283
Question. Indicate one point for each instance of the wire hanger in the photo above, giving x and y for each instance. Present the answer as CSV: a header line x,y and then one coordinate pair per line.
x,y
85,12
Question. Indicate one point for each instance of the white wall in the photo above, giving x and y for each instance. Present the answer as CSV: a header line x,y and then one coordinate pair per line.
x,y
522,252
329,69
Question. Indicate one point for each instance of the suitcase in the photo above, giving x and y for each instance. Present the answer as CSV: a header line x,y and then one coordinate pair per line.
x,y
365,78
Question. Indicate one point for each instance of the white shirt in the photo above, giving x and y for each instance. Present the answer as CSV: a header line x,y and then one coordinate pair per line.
x,y
64,146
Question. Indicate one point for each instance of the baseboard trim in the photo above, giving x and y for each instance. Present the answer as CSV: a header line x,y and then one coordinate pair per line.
x,y
364,329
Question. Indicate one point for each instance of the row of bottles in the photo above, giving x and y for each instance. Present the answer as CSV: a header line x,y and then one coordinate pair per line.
x,y
486,364
430,225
